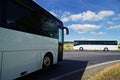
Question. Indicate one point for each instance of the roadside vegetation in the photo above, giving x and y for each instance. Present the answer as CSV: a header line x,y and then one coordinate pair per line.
x,y
119,47
110,73
68,46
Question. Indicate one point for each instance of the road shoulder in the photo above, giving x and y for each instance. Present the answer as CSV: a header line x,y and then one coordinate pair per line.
x,y
92,71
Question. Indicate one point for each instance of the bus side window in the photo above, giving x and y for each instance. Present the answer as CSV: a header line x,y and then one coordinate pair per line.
x,y
35,22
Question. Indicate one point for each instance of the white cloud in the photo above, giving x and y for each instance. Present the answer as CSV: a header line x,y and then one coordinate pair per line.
x,y
75,17
116,18
65,16
88,16
114,27
103,14
66,13
83,28
109,22
65,19
98,33
82,38
86,38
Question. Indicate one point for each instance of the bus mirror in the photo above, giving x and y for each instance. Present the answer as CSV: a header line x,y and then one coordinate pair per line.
x,y
67,31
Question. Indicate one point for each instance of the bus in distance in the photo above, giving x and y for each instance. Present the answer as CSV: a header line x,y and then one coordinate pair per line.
x,y
104,45
30,38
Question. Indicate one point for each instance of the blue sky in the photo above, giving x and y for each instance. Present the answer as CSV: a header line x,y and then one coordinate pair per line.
x,y
87,19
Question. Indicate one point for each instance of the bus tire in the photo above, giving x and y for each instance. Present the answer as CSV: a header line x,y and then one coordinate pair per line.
x,y
81,49
47,61
105,49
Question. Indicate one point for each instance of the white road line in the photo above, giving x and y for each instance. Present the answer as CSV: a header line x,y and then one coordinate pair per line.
x,y
79,70
102,64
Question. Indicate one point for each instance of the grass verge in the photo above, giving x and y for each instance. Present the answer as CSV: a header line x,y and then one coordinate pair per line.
x,y
109,73
68,46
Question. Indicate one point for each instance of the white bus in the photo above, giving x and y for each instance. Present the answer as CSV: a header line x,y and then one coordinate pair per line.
x,y
30,38
104,45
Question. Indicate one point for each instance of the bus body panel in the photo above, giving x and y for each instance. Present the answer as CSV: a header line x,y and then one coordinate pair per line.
x,y
24,52
0,64
96,47
14,63
16,40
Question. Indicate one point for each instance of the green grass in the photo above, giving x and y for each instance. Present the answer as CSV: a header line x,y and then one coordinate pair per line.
x,y
68,46
109,73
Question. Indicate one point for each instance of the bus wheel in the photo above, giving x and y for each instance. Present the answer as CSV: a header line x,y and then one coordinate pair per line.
x,y
81,49
47,60
105,49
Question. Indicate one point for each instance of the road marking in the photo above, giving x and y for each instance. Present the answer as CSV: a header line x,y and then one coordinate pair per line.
x,y
102,64
79,70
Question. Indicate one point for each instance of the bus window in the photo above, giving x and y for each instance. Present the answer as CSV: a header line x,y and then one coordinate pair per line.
x,y
31,21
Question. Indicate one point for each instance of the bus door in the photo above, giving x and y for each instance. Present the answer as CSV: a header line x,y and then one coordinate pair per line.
x,y
60,47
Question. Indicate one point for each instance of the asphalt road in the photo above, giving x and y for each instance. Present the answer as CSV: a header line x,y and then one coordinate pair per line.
x,y
73,65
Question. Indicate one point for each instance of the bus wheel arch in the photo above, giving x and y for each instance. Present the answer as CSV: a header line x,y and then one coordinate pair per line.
x,y
106,49
47,60
81,48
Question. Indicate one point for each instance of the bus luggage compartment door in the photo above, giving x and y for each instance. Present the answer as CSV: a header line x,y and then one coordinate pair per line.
x,y
0,64
14,63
